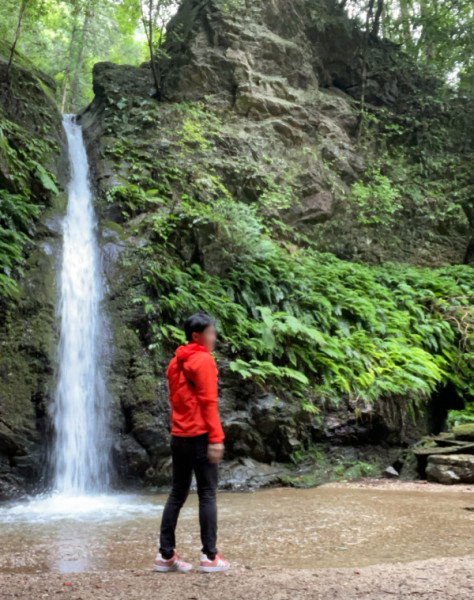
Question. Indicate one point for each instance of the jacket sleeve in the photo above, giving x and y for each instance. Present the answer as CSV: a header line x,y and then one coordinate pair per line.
x,y
170,378
205,381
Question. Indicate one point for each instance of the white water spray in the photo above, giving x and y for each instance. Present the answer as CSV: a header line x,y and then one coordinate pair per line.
x,y
82,473
80,410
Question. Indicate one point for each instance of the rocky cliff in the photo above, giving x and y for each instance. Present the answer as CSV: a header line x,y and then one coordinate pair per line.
x,y
32,170
251,143
256,105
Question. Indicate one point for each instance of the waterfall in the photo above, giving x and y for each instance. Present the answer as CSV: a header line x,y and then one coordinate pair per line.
x,y
81,450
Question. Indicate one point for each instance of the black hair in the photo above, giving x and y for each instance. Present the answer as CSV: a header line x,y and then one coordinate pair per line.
x,y
197,322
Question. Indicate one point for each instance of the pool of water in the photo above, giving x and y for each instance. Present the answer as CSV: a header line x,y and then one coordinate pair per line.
x,y
297,528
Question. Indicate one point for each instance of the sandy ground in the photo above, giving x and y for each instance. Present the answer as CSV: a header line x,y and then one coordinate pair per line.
x,y
397,484
446,578
433,579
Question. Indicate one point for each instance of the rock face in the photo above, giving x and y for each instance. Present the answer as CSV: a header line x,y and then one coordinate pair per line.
x,y
265,69
28,332
368,424
277,98
255,59
288,92
276,108
300,78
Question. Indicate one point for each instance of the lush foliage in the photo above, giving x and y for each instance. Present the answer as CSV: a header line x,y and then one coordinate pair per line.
x,y
419,182
317,325
29,186
457,417
434,33
289,316
65,38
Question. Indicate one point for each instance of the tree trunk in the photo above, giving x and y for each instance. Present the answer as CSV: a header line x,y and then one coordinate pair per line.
x,y
16,36
63,99
80,57
148,26
67,73
404,12
378,14
364,68
425,35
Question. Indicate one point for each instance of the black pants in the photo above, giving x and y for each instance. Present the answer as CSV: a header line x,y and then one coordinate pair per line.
x,y
190,453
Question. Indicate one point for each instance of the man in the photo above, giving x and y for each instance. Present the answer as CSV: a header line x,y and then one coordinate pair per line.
x,y
196,444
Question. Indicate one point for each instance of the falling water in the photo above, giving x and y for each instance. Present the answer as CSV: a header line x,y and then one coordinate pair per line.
x,y
82,487
82,444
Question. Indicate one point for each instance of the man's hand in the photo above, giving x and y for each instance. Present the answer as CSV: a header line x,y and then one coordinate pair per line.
x,y
215,452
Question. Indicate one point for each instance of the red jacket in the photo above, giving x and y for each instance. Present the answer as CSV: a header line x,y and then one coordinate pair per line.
x,y
192,383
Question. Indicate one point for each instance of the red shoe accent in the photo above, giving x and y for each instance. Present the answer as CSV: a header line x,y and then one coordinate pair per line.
x,y
213,566
175,563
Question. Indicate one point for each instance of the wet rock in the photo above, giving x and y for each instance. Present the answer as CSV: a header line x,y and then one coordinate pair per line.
x,y
53,224
27,325
369,424
248,474
390,472
243,439
152,436
10,489
267,429
130,458
238,474
112,244
449,469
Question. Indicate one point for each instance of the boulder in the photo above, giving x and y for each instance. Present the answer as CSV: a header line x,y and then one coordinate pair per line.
x,y
247,474
424,454
464,432
452,468
391,473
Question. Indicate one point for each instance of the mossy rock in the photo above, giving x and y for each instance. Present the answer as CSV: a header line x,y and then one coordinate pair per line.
x,y
464,431
21,60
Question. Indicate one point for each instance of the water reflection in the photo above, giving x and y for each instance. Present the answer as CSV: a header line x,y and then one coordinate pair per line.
x,y
47,508
296,528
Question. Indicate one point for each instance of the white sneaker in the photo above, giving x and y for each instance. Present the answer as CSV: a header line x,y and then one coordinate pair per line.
x,y
175,563
213,566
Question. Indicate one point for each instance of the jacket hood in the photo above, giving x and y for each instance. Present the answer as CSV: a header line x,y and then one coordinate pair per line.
x,y
182,352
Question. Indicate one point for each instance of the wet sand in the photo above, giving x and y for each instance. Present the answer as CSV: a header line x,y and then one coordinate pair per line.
x,y
433,579
368,538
